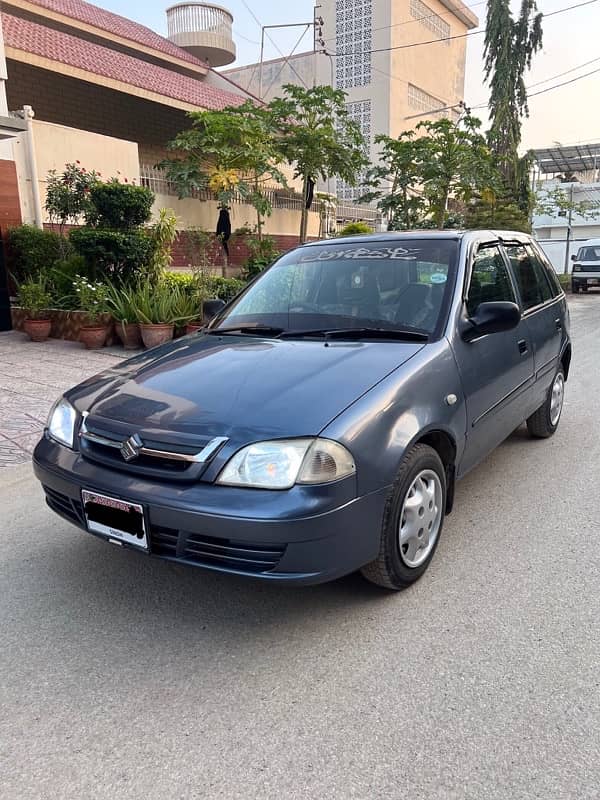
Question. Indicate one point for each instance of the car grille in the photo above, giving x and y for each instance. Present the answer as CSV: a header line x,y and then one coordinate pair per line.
x,y
215,552
151,466
589,268
65,506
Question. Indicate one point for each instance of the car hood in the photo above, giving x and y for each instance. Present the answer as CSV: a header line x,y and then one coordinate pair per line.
x,y
242,387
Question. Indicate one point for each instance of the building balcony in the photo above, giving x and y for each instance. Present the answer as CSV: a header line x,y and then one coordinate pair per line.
x,y
204,30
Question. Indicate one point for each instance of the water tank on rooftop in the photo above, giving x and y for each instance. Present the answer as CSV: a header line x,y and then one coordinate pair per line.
x,y
204,30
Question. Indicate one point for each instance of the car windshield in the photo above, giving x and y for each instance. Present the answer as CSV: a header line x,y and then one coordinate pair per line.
x,y
589,254
383,286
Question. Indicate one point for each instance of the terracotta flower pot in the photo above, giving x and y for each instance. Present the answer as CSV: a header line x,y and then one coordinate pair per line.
x,y
153,335
129,334
93,337
38,330
193,327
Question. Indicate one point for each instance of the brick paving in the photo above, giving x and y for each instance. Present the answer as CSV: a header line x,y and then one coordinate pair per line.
x,y
32,376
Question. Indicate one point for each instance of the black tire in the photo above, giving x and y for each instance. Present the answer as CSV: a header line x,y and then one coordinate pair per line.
x,y
583,289
388,569
539,424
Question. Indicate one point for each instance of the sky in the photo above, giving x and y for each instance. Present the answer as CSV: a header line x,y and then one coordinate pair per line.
x,y
567,115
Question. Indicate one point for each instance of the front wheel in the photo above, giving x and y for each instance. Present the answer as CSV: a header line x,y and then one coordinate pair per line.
x,y
412,521
544,422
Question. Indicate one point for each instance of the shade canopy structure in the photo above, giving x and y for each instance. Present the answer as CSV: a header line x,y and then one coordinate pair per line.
x,y
570,158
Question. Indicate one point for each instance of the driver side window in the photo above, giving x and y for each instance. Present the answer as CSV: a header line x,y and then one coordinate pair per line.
x,y
490,280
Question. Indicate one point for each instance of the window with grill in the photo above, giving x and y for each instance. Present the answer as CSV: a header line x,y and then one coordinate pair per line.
x,y
359,112
428,18
422,101
354,42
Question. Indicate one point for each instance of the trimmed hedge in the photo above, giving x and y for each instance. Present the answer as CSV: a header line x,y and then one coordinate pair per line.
x,y
217,287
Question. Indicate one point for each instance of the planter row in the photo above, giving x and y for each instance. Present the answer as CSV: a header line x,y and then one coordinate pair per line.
x,y
70,325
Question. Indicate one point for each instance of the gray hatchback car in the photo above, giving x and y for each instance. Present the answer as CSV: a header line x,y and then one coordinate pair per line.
x,y
320,422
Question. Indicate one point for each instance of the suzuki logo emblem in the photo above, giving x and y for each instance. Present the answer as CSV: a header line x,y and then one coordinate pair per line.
x,y
131,447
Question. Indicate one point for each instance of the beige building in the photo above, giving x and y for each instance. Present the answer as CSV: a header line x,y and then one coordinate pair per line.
x,y
400,62
91,86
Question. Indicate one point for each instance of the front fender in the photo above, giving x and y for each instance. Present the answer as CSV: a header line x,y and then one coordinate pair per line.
x,y
382,425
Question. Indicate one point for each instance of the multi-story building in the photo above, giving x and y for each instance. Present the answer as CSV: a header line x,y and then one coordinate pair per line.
x,y
399,61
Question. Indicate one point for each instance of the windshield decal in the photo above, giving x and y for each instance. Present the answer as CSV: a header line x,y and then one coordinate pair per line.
x,y
438,277
363,253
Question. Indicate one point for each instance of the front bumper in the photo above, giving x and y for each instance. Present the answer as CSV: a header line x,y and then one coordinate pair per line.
x,y
309,534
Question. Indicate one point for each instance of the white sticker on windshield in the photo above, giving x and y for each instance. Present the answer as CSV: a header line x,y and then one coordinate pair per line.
x,y
438,277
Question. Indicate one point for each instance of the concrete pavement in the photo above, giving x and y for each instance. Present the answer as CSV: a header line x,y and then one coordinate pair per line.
x,y
122,677
32,376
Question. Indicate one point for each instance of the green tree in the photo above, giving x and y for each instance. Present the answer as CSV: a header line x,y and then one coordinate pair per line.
x,y
559,202
230,152
318,138
395,180
510,45
500,212
456,162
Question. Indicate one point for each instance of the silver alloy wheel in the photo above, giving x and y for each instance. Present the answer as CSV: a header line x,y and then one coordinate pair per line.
x,y
420,518
556,399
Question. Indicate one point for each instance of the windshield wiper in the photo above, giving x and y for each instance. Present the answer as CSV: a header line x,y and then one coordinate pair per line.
x,y
247,330
358,333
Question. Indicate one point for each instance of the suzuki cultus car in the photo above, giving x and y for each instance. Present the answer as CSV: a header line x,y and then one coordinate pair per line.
x,y
319,424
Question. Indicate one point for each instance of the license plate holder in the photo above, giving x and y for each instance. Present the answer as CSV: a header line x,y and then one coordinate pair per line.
x,y
120,521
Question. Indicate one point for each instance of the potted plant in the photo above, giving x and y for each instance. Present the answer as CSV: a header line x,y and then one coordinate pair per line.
x,y
35,299
121,301
156,312
92,298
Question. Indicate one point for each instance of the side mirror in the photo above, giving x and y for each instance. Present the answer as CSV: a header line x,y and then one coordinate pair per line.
x,y
574,257
211,308
491,318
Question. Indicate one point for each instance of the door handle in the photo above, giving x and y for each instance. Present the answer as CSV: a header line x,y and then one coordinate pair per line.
x,y
558,324
522,346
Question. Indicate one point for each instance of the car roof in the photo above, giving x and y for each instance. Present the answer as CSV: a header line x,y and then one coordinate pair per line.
x,y
590,243
399,236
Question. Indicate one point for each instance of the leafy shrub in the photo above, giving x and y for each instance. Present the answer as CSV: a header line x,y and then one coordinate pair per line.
x,y
114,255
68,193
262,253
31,251
355,229
92,296
164,233
121,303
212,286
35,297
61,278
224,288
120,206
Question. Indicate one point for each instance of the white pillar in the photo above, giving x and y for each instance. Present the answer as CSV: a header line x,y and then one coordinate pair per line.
x,y
28,115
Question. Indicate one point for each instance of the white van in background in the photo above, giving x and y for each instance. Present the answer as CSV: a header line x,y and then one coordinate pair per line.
x,y
586,269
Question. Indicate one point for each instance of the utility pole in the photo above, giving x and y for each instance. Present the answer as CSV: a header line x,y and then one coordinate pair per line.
x,y
569,222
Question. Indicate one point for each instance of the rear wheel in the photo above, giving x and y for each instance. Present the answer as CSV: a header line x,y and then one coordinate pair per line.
x,y
413,521
544,422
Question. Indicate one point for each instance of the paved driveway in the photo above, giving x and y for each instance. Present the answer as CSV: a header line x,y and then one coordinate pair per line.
x,y
123,677
32,376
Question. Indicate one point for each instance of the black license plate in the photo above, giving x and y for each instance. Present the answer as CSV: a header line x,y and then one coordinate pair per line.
x,y
119,520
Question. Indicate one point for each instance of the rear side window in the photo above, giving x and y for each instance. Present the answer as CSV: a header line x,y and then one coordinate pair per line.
x,y
490,280
530,274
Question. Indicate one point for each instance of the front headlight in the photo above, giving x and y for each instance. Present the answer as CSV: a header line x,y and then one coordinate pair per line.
x,y
280,464
61,422
577,268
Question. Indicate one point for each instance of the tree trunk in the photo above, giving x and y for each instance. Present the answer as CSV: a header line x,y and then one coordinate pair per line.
x,y
304,217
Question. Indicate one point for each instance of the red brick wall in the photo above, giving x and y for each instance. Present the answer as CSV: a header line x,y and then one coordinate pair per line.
x,y
10,208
